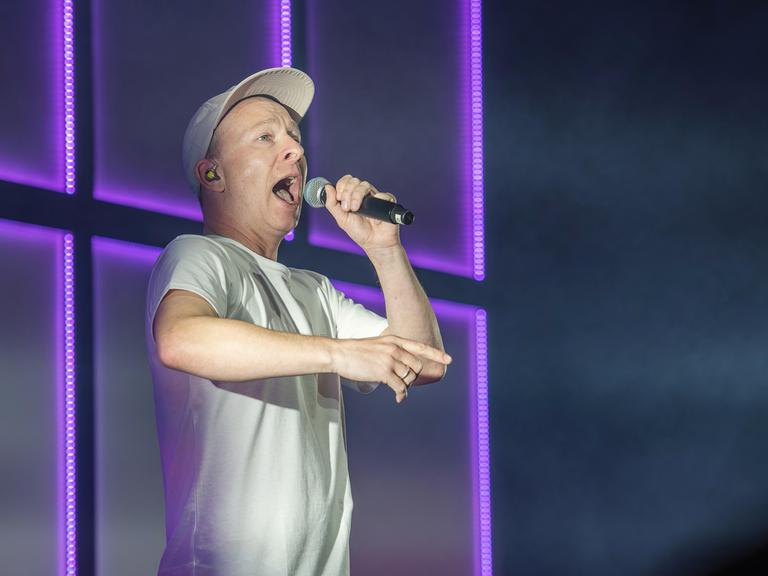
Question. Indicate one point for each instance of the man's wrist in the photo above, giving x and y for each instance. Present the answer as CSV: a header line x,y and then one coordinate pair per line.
x,y
385,256
328,347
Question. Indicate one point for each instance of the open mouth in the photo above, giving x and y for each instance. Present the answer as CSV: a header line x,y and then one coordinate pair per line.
x,y
283,190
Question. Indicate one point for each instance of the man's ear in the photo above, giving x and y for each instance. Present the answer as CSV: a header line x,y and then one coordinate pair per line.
x,y
209,175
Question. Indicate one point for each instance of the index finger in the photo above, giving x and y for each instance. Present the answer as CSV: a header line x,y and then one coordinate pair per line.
x,y
341,183
424,350
389,197
332,203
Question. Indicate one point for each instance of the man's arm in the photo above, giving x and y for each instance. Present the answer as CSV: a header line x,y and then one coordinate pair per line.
x,y
409,311
190,337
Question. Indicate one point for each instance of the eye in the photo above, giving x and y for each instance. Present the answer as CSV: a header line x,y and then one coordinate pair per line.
x,y
265,138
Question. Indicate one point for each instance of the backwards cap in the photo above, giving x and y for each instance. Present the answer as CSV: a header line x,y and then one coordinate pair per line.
x,y
290,87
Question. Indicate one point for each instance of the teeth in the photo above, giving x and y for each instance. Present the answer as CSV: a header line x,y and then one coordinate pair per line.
x,y
285,195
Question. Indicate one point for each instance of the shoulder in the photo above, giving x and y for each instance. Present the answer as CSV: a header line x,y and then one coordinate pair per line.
x,y
194,244
190,256
192,249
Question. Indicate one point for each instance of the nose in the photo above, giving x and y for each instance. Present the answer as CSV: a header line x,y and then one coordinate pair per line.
x,y
294,151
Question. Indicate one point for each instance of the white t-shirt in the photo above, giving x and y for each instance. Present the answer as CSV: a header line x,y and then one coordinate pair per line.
x,y
255,473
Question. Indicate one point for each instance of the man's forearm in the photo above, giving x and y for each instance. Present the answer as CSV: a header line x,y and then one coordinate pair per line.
x,y
409,312
232,350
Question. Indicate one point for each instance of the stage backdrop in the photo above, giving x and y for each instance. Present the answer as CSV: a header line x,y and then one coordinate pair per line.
x,y
95,100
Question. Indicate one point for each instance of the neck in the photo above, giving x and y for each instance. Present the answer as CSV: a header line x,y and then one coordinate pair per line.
x,y
261,245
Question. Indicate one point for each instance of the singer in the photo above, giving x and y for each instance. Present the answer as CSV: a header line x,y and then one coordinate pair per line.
x,y
247,354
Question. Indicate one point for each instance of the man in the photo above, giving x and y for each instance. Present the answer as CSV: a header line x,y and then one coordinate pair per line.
x,y
247,354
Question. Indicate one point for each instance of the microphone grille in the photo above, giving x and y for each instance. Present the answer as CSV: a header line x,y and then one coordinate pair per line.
x,y
314,192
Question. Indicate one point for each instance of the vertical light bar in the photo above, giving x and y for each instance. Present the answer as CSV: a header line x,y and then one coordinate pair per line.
x,y
476,125
286,55
286,49
483,554
69,99
70,532
70,520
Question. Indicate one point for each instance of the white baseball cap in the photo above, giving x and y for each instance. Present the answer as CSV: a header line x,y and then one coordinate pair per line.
x,y
290,87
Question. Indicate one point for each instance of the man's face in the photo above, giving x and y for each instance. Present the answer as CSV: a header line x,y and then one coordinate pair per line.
x,y
260,156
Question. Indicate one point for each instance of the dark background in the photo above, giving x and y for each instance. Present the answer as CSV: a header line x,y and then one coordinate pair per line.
x,y
626,165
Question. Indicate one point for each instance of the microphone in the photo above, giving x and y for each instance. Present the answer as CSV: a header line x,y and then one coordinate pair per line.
x,y
372,207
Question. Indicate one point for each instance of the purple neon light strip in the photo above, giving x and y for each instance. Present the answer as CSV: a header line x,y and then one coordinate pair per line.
x,y
484,558
69,408
69,98
70,487
476,123
286,49
286,53
61,354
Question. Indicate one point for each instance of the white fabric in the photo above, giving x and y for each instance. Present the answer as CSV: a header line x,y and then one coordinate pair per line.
x,y
255,473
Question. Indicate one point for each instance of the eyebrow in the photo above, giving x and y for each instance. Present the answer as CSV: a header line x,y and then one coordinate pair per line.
x,y
293,129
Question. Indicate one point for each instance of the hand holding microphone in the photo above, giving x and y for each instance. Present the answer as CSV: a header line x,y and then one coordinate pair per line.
x,y
357,196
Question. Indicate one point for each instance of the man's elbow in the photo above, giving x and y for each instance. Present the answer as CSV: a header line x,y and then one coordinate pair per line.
x,y
168,350
164,353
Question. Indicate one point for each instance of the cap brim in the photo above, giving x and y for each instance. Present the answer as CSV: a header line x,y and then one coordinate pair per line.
x,y
289,86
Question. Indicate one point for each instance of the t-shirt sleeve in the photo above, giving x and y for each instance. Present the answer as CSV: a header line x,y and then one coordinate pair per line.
x,y
354,321
191,263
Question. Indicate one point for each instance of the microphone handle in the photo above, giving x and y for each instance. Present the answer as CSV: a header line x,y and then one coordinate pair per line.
x,y
380,209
